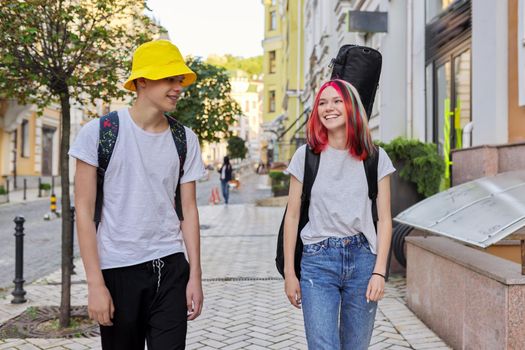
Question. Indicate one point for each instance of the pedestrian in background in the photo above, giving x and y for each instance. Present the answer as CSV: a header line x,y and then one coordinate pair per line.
x,y
140,286
343,264
226,176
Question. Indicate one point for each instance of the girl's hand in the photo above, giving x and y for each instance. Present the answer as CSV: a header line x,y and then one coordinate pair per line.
x,y
292,289
376,288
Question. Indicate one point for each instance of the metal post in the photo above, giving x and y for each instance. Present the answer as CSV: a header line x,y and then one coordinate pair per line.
x,y
523,257
39,187
25,188
53,185
7,187
73,240
19,291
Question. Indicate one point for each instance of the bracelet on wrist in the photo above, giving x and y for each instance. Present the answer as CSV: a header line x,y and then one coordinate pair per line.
x,y
379,274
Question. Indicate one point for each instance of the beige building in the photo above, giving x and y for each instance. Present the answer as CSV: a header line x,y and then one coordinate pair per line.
x,y
29,144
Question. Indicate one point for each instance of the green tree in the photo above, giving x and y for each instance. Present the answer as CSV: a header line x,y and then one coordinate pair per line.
x,y
251,65
237,147
68,51
207,107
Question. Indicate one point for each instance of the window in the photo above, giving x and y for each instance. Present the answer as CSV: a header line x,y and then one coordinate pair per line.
x,y
271,63
274,2
435,7
271,101
25,138
273,20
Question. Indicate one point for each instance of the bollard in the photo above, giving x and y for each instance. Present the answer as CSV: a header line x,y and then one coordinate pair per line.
x,y
7,188
53,185
39,187
73,240
53,204
19,291
25,188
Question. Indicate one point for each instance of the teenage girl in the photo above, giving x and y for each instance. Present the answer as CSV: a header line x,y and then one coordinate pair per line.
x,y
344,261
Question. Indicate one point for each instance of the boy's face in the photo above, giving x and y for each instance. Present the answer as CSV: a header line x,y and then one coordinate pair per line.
x,y
163,93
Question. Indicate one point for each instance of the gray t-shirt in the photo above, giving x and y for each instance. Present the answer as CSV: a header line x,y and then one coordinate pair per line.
x,y
139,222
339,203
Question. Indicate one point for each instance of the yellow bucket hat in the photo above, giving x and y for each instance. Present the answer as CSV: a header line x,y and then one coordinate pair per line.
x,y
156,60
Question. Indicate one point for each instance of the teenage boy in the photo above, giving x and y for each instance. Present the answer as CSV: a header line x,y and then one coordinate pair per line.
x,y
140,286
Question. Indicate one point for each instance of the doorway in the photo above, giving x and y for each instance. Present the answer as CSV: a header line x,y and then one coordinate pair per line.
x,y
47,150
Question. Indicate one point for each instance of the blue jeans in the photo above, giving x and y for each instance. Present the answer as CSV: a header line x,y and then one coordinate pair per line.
x,y
334,279
225,190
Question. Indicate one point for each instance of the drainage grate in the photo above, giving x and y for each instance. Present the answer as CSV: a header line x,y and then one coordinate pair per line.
x,y
237,279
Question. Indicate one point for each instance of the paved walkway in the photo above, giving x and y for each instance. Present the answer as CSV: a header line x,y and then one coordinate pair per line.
x,y
245,306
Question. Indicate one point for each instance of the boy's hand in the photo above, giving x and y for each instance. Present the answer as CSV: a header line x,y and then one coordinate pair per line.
x,y
194,298
100,305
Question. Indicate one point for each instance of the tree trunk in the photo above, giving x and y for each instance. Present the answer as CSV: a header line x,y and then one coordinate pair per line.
x,y
67,234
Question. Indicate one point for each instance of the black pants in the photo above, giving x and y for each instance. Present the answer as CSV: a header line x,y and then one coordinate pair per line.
x,y
150,304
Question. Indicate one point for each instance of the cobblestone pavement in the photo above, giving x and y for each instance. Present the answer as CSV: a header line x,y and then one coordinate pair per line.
x,y
245,306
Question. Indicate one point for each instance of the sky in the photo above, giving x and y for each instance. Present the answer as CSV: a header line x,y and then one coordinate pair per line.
x,y
204,27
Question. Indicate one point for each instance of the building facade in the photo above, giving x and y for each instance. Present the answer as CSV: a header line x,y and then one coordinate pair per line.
x,y
453,70
29,144
283,109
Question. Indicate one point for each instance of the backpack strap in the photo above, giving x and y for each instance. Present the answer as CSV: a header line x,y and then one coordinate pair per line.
x,y
370,164
179,136
108,133
311,165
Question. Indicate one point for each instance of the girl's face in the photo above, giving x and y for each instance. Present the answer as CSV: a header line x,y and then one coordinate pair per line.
x,y
331,109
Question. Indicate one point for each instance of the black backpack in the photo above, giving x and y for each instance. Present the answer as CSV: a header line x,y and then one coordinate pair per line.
x,y
108,134
311,165
361,67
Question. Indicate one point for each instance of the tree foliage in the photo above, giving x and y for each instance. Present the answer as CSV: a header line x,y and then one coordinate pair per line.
x,y
251,65
237,147
68,51
82,47
207,107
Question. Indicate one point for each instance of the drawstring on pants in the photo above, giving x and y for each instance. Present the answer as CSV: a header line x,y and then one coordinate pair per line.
x,y
158,264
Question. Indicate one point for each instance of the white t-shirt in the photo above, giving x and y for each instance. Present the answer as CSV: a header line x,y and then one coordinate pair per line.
x,y
339,203
138,221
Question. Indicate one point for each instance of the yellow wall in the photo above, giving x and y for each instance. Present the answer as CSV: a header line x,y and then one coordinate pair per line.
x,y
294,48
273,41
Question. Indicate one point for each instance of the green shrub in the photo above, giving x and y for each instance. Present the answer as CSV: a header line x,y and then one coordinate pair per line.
x,y
418,162
280,182
2,190
45,186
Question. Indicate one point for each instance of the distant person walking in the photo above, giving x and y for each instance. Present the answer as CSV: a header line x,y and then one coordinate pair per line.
x,y
226,176
343,263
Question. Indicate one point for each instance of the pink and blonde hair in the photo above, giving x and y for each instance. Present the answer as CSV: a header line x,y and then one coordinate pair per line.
x,y
358,139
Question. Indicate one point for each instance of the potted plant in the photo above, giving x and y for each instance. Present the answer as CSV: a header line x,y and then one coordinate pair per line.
x,y
3,194
45,188
420,170
279,182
